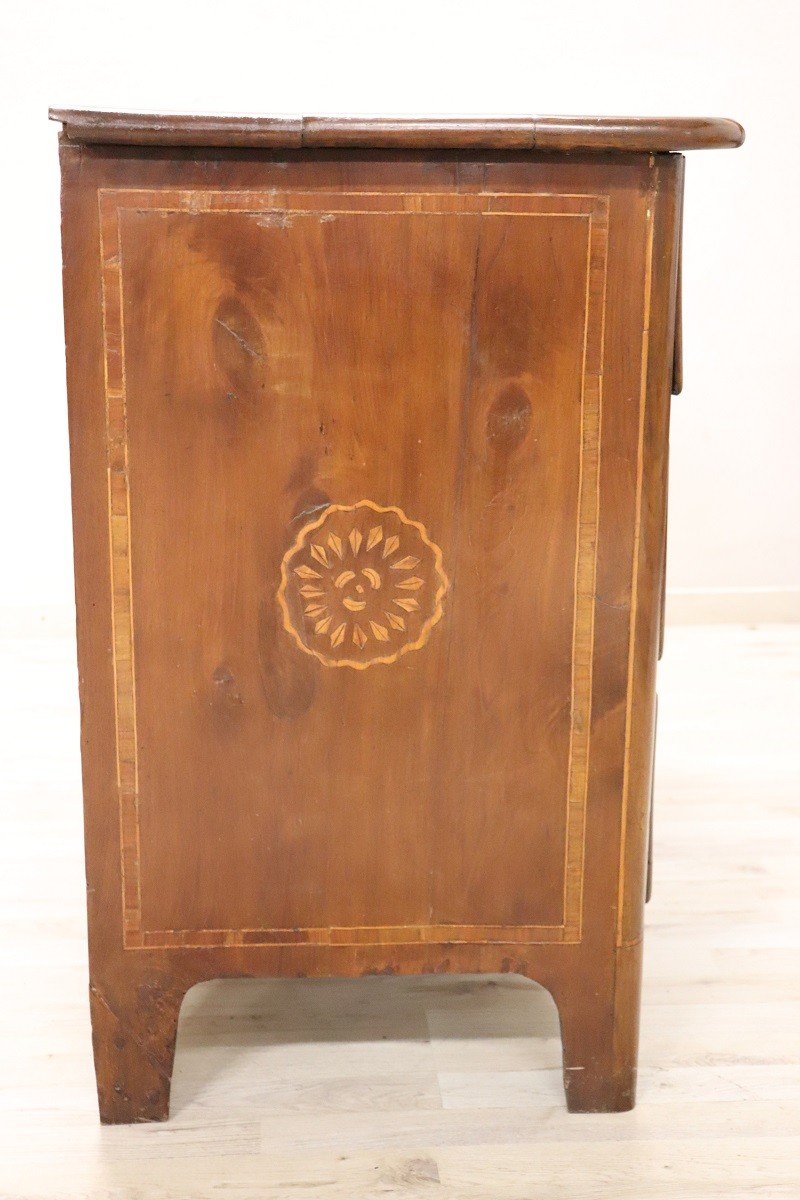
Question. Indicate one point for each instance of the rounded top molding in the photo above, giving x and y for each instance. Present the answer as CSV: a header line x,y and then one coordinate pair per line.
x,y
631,134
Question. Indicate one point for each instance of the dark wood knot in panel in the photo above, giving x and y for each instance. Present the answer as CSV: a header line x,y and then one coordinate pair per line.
x,y
508,420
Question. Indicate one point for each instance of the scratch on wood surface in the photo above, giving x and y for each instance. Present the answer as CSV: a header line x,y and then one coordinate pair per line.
x,y
274,220
238,337
307,512
609,603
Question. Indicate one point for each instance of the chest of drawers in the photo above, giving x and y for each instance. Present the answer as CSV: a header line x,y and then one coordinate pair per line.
x,y
369,427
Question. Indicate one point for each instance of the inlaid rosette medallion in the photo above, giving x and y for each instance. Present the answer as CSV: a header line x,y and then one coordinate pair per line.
x,y
361,585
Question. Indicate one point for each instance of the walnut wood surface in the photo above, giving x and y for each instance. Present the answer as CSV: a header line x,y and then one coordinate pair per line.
x,y
454,133
255,349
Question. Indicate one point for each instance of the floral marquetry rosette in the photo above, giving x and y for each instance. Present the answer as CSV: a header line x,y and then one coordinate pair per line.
x,y
361,585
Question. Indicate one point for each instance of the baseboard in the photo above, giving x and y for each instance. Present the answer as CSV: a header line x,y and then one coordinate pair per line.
x,y
733,606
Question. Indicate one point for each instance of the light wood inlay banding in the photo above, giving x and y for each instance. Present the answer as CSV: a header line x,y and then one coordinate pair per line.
x,y
593,212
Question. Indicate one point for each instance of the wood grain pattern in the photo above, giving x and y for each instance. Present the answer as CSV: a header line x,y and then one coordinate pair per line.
x,y
593,215
648,134
256,345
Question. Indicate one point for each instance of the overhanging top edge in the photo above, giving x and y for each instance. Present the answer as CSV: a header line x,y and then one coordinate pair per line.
x,y
638,134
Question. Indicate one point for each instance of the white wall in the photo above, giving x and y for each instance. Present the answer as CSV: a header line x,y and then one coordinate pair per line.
x,y
735,483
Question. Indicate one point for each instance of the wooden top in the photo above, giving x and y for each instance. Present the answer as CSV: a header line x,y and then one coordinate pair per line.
x,y
642,134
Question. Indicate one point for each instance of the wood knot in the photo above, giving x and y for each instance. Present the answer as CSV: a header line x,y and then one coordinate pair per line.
x,y
226,690
508,420
238,348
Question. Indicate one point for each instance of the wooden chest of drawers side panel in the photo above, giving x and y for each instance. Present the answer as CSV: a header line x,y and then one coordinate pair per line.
x,y
137,990
496,448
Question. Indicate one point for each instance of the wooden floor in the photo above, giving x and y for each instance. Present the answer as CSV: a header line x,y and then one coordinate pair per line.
x,y
440,1087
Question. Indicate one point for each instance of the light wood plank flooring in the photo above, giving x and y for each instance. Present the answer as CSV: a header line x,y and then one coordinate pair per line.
x,y
440,1087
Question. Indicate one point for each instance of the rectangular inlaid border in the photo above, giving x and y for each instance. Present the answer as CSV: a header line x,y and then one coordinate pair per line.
x,y
594,210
